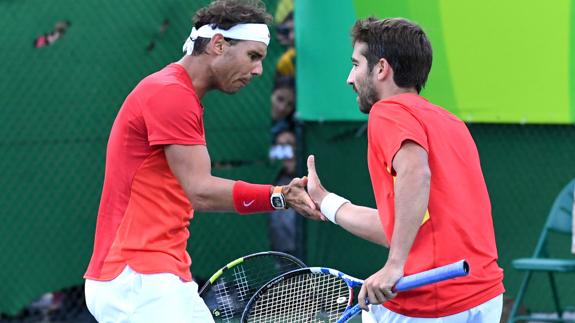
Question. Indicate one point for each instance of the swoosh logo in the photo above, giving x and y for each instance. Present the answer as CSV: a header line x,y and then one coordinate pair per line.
x,y
247,204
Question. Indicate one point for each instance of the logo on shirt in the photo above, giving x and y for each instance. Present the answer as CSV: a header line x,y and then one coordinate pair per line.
x,y
247,204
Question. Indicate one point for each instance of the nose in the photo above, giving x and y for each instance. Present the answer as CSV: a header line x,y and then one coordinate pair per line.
x,y
258,69
351,77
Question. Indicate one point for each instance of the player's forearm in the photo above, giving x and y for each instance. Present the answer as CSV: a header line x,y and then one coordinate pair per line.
x,y
192,168
362,221
411,200
211,193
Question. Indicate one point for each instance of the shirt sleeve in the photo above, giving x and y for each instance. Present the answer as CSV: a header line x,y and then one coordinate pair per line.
x,y
174,116
390,126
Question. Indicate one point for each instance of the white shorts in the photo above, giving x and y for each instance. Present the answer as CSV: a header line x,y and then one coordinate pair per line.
x,y
488,312
132,297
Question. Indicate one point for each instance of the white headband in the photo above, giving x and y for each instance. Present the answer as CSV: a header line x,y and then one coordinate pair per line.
x,y
255,32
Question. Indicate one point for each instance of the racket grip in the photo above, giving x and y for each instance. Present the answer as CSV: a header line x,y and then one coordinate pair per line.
x,y
456,269
349,314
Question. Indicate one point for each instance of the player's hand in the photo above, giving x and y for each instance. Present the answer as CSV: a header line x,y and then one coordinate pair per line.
x,y
298,199
378,288
314,187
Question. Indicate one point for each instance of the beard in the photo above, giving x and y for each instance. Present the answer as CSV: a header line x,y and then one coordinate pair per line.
x,y
367,94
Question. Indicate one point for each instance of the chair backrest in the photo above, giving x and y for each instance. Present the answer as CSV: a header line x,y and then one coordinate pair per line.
x,y
559,218
561,215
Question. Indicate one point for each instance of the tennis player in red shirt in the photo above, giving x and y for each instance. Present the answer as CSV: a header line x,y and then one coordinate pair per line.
x,y
158,172
432,202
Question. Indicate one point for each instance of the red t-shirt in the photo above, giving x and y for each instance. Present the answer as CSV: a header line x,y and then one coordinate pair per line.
x,y
458,223
144,213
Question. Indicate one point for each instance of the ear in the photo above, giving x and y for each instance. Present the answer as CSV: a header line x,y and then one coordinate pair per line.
x,y
217,44
382,69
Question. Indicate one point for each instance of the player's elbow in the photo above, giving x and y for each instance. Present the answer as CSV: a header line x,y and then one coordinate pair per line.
x,y
373,229
199,197
383,241
202,201
376,238
380,239
199,202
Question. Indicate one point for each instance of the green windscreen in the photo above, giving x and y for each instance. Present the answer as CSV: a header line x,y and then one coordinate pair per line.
x,y
494,61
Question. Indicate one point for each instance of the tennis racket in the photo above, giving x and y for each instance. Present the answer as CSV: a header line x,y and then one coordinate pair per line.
x,y
228,291
319,294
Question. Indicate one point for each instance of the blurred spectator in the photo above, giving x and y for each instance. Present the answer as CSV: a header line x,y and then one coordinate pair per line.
x,y
49,38
285,31
286,64
282,105
284,150
63,306
282,224
286,37
283,8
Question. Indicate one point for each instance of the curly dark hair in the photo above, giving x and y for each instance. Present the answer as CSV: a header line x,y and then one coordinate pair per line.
x,y
225,14
402,43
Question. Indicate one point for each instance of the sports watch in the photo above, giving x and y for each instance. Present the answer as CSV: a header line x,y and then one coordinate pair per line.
x,y
277,199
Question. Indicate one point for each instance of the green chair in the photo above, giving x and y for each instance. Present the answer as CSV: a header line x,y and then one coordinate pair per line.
x,y
559,221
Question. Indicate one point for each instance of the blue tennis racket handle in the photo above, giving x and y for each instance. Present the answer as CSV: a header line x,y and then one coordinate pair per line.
x,y
347,315
457,269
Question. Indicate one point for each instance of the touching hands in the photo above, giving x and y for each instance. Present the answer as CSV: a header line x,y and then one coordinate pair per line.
x,y
298,199
378,288
306,203
314,188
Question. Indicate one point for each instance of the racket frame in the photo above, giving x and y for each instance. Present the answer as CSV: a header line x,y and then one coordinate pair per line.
x,y
457,269
213,281
241,260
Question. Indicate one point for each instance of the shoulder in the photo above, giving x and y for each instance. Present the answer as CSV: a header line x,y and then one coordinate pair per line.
x,y
385,110
170,78
169,94
392,117
407,105
385,106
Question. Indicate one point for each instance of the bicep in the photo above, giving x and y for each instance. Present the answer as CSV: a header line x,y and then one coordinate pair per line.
x,y
410,157
188,163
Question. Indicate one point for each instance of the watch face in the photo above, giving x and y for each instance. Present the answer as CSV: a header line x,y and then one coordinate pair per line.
x,y
277,202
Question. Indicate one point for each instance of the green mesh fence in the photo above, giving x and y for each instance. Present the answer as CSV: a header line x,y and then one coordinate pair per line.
x,y
57,104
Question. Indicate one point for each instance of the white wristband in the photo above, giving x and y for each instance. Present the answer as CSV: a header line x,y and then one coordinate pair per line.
x,y
330,204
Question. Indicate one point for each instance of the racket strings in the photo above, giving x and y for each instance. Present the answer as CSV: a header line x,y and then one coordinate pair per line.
x,y
226,308
273,269
235,286
311,297
242,283
245,276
